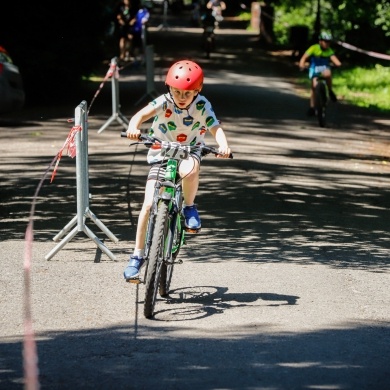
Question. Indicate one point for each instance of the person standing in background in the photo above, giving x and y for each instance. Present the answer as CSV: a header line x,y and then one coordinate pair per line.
x,y
125,17
217,6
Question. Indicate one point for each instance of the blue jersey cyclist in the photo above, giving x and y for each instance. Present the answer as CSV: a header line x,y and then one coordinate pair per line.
x,y
182,115
320,56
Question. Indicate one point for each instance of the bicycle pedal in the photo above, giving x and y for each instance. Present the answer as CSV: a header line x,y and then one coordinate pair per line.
x,y
134,281
192,231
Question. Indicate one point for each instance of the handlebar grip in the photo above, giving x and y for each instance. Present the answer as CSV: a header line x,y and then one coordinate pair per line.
x,y
214,151
142,137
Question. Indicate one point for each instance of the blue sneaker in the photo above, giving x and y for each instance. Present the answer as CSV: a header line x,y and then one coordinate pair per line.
x,y
191,218
132,269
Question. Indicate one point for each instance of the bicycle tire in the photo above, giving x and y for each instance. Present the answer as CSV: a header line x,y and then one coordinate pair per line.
x,y
155,261
150,228
149,240
208,45
167,267
320,103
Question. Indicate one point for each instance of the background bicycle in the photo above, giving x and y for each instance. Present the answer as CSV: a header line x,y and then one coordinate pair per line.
x,y
208,22
321,97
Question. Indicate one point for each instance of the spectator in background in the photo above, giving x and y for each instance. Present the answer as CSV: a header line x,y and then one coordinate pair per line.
x,y
217,6
208,19
125,17
196,14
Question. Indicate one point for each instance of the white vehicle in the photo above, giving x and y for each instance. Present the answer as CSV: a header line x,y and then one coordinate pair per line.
x,y
12,95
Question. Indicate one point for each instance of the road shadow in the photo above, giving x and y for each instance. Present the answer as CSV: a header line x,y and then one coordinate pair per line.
x,y
351,356
204,301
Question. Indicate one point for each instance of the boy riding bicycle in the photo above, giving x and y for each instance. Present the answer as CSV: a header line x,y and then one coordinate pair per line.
x,y
181,115
321,55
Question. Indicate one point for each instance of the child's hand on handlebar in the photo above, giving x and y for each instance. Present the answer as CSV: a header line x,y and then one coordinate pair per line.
x,y
133,133
224,152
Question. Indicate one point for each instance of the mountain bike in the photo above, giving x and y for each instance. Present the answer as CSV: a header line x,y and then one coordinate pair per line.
x,y
321,100
165,229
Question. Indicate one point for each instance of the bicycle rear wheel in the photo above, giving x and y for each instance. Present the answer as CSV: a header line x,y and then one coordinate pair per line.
x,y
156,259
209,46
320,103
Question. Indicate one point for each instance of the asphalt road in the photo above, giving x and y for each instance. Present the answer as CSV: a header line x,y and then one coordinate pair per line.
x,y
287,285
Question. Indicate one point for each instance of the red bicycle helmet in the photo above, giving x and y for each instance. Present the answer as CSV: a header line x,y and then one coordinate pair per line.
x,y
185,75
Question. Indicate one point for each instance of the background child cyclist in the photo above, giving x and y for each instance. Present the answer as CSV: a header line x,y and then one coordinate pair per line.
x,y
181,115
320,55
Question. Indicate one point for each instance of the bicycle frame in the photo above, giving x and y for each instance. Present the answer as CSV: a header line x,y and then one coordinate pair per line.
x,y
171,192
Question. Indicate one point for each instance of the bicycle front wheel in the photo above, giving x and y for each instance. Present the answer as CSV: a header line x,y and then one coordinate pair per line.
x,y
156,259
320,100
176,235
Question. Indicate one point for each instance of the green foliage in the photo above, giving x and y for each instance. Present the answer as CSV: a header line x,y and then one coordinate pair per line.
x,y
244,16
365,87
363,14
286,17
364,23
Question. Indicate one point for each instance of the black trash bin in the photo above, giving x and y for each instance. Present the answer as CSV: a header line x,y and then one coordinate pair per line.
x,y
299,40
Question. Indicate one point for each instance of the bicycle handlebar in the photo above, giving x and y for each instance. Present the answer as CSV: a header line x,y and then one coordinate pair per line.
x,y
148,140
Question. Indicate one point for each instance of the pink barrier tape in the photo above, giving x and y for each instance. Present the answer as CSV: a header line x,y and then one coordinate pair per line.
x,y
111,70
30,356
71,144
369,53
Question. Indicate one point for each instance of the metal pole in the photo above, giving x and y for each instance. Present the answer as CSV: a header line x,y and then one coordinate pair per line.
x,y
164,24
150,91
116,114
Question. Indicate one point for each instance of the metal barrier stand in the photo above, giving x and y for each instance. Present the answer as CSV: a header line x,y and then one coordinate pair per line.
x,y
82,179
116,114
150,91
